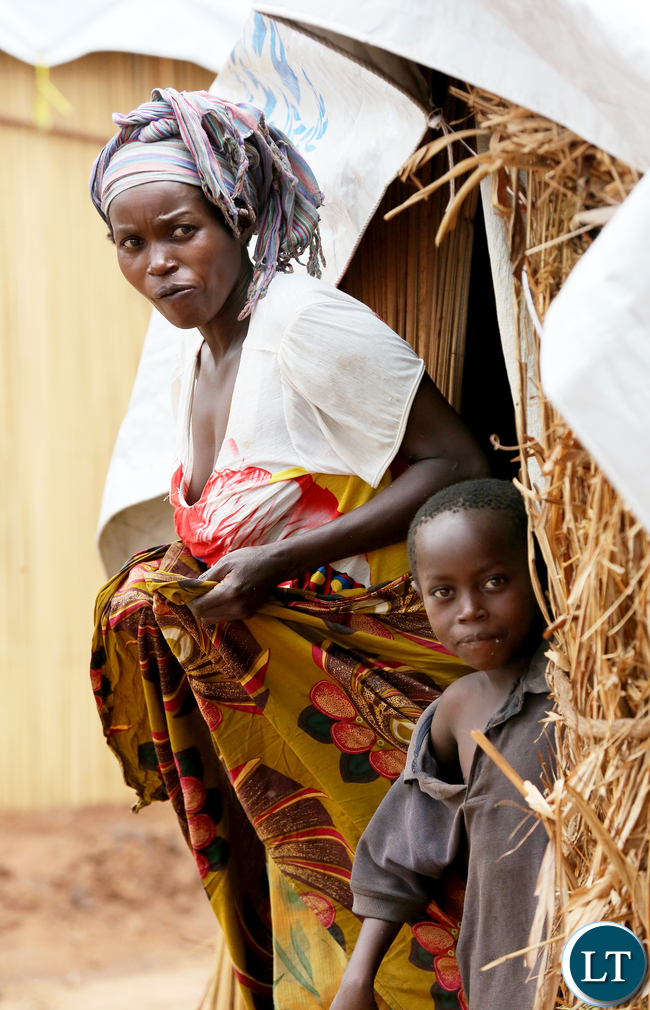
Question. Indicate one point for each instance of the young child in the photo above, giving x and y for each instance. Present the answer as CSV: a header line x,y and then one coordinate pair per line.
x,y
468,552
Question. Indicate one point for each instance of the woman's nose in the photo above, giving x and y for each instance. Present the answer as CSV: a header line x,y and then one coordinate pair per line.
x,y
161,261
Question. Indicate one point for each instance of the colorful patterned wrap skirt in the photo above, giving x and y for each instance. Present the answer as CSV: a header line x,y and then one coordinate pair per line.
x,y
275,739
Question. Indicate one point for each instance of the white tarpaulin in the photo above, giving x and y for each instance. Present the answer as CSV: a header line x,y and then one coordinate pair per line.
x,y
583,63
356,130
599,374
50,32
586,65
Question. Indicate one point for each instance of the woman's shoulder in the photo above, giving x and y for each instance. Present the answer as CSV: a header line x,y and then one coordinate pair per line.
x,y
302,289
291,297
348,381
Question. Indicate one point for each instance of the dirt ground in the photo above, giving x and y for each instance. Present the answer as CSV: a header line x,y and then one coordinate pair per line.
x,y
101,909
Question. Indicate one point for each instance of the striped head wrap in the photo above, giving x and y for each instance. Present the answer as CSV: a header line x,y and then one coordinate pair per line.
x,y
250,170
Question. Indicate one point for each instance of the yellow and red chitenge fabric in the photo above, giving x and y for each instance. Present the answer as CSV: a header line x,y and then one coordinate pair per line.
x,y
275,739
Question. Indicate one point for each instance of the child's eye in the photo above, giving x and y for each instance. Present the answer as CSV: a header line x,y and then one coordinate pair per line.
x,y
442,592
496,581
183,230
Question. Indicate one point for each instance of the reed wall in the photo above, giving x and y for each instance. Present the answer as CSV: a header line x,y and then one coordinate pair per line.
x,y
71,332
421,288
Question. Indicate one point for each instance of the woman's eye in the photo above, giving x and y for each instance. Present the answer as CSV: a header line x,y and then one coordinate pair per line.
x,y
132,242
442,592
183,230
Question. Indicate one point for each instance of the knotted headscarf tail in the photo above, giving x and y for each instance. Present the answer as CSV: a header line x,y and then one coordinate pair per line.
x,y
243,165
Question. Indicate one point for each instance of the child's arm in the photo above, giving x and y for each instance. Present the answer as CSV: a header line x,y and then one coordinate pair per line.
x,y
410,837
357,990
443,737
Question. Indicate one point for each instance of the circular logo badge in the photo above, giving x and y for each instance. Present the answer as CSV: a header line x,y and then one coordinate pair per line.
x,y
604,964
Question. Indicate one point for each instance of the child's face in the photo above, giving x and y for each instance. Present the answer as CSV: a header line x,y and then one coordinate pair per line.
x,y
472,575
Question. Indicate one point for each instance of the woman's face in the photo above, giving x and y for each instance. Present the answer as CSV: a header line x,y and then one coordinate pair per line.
x,y
174,251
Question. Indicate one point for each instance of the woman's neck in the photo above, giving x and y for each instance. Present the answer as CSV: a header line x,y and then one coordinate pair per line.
x,y
226,332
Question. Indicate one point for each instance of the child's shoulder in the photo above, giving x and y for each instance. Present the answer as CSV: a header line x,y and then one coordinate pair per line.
x,y
460,690
450,713
452,705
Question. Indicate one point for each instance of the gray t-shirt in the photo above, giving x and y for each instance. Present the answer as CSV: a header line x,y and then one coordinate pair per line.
x,y
423,825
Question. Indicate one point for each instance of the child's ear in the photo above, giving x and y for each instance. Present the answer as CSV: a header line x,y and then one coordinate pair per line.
x,y
416,586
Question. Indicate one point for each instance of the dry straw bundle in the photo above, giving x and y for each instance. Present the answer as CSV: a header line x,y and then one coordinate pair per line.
x,y
552,188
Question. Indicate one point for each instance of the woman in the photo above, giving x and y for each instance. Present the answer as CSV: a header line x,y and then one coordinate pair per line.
x,y
247,672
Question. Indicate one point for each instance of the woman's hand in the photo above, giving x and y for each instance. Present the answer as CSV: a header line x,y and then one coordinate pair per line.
x,y
439,451
245,577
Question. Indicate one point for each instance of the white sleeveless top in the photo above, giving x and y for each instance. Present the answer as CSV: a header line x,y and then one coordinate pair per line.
x,y
324,387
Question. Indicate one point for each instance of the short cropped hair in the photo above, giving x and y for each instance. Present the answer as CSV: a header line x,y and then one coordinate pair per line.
x,y
468,496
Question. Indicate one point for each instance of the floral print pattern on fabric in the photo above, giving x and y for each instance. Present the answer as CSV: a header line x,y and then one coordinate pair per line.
x,y
433,947
275,738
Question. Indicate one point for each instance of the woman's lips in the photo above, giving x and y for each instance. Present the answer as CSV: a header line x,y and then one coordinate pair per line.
x,y
171,293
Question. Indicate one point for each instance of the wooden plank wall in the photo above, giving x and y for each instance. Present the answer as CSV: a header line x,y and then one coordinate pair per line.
x,y
71,331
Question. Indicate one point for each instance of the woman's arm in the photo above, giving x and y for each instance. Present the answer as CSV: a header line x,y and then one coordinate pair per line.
x,y
357,989
440,451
